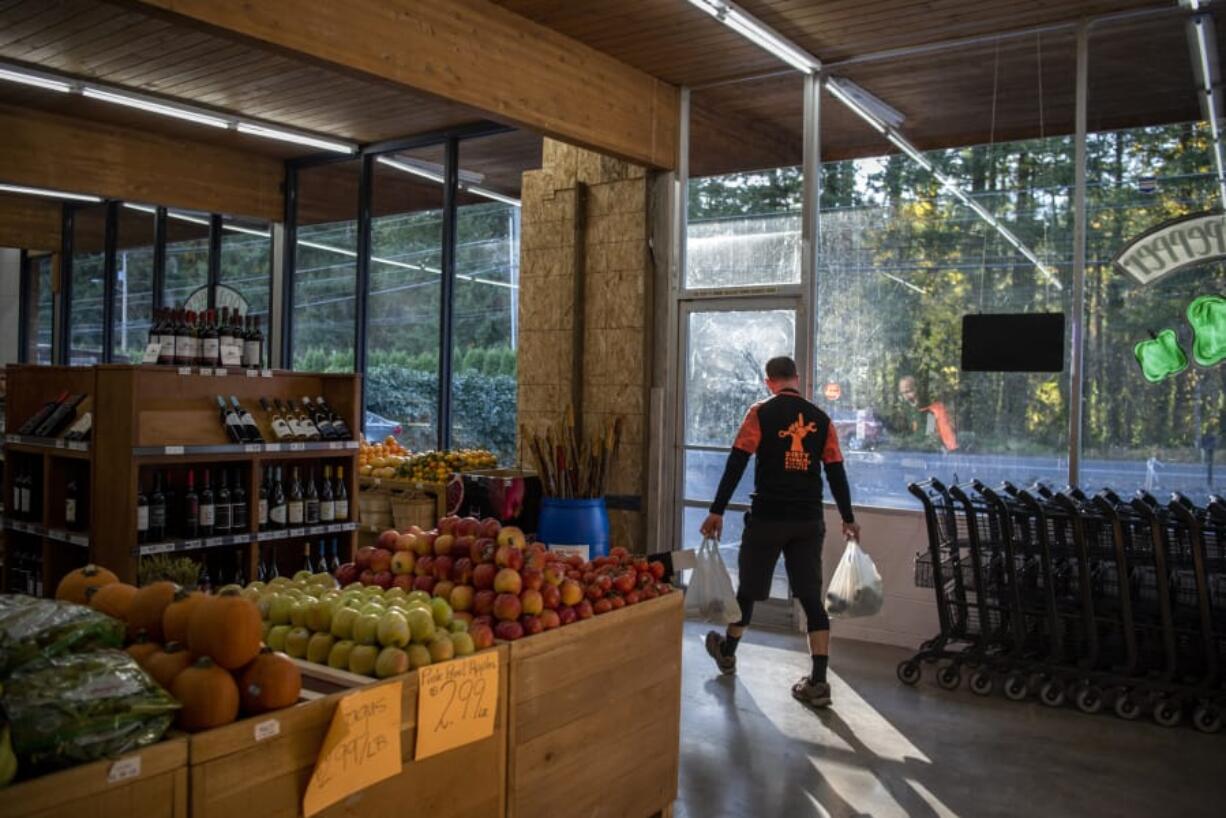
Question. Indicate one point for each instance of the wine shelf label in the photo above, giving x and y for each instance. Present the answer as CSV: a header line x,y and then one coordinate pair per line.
x,y
185,370
252,447
253,373
265,373
297,447
173,450
272,447
157,548
48,442
220,372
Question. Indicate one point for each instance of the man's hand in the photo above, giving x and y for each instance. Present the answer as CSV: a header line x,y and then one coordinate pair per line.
x,y
851,531
713,526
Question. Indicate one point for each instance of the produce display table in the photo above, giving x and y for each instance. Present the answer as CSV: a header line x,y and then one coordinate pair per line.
x,y
150,783
592,704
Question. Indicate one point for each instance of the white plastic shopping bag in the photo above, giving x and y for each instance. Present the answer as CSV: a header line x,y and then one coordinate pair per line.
x,y
710,594
856,588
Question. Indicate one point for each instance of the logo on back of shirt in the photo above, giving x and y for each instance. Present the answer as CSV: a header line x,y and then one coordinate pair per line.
x,y
796,458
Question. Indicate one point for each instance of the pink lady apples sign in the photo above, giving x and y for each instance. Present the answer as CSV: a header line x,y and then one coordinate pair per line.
x,y
1172,246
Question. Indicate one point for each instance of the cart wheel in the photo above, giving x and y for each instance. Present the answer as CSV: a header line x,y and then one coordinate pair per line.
x,y
1167,712
927,645
982,683
1016,688
949,677
1126,707
909,672
1052,693
1207,718
1088,698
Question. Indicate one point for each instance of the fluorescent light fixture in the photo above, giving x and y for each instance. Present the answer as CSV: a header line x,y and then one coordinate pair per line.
x,y
874,105
910,150
251,231
36,80
858,109
759,34
413,168
155,107
49,193
183,217
491,194
296,138
141,208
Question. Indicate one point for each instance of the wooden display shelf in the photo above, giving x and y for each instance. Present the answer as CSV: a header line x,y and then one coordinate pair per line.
x,y
243,538
156,787
595,702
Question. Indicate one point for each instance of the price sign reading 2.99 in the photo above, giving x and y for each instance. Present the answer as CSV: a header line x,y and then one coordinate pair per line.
x,y
362,746
456,703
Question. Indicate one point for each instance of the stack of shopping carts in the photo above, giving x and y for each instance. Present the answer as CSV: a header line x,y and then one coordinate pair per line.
x,y
1100,601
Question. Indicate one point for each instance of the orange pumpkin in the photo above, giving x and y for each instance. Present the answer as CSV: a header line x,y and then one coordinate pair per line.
x,y
147,608
270,682
226,628
143,648
113,600
165,664
75,585
177,614
207,694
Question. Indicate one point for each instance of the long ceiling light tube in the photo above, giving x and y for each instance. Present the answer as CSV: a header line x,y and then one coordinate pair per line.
x,y
760,34
35,80
48,193
296,138
153,107
429,173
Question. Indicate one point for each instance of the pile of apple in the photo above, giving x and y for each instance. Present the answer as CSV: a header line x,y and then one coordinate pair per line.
x,y
490,576
362,628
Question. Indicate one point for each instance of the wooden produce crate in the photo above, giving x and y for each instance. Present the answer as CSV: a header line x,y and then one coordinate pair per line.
x,y
383,503
108,789
234,774
597,702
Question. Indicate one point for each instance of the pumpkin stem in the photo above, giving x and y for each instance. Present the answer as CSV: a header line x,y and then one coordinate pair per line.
x,y
204,662
172,647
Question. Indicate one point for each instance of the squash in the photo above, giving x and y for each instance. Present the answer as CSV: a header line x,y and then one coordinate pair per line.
x,y
113,600
270,682
165,664
207,694
177,614
75,584
226,628
142,648
147,608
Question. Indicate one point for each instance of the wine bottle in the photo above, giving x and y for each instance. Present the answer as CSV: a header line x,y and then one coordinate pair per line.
x,y
221,507
261,567
240,577
239,517
338,423
307,565
142,513
321,563
225,335
309,429
70,505
261,510
41,415
341,496
157,511
280,428
210,351
291,420
335,563
273,571
59,417
191,508
230,421
319,418
251,432
173,525
278,508
253,347
166,349
295,509
327,506
205,582
310,507
208,507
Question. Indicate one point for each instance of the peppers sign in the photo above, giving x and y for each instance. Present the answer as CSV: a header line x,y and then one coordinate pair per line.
x,y
1174,246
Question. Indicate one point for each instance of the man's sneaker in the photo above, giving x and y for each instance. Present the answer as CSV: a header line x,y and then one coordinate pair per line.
x,y
715,647
814,694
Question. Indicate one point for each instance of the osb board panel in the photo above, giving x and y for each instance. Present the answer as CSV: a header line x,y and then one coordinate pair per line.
x,y
160,791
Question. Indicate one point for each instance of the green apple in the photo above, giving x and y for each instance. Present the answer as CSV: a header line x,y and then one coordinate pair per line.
x,y
376,608
419,596
266,627
353,586
295,594
342,623
298,613
362,659
276,637
278,582
394,630
319,616
338,657
463,644
458,626
371,591
441,610
395,592
280,609
419,656
366,629
421,624
296,642
391,662
319,648
250,594
400,604
1161,356
256,585
302,576
323,578
441,648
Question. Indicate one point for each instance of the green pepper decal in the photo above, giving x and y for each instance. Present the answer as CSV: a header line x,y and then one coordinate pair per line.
x,y
1207,315
1161,356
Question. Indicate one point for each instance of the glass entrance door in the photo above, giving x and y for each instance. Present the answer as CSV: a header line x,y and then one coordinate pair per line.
x,y
726,345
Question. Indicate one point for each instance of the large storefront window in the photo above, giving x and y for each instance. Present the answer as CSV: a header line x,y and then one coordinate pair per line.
x,y
246,265
42,302
187,255
88,262
133,302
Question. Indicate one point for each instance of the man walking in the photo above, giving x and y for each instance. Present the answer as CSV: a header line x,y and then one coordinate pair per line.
x,y
793,440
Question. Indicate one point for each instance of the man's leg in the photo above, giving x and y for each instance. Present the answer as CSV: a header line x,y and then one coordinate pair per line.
x,y
803,558
755,566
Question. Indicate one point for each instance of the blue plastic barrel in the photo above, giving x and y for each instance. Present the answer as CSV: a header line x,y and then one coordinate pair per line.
x,y
575,523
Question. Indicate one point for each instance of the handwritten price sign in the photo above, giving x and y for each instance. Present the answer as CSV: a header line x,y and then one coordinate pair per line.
x,y
456,703
362,747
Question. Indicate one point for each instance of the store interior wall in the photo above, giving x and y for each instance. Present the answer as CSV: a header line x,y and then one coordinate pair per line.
x,y
10,302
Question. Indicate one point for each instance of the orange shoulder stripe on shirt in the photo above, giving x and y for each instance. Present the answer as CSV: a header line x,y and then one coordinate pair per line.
x,y
831,453
750,434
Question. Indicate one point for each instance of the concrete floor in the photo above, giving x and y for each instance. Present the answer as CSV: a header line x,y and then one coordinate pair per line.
x,y
749,749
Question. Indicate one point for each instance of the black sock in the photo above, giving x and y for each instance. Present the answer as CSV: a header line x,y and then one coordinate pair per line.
x,y
819,668
730,643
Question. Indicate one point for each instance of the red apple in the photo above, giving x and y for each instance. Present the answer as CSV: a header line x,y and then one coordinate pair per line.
x,y
442,544
508,581
624,583
550,619
424,584
383,579
463,616
551,595
461,597
508,631
489,527
594,592
507,607
423,544
648,593
532,625
483,576
483,619
567,614
347,574
362,558
555,573
442,567
404,581
575,561
483,635
584,609
531,602
403,562
482,551
632,598
605,583
602,606
572,592
617,602
424,566
447,524
533,578
466,543
483,602
388,539
512,535
403,543
508,557
535,559
367,577
618,553
462,571
574,574
467,527
381,560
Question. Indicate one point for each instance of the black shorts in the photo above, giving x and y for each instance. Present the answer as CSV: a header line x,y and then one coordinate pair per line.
x,y
800,542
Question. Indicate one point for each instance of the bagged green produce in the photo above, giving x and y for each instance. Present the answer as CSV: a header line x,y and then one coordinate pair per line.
x,y
33,628
72,709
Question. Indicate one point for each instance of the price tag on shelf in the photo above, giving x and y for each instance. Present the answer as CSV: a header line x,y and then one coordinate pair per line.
x,y
173,450
221,372
59,444
265,373
12,438
79,539
152,350
351,444
206,371
253,373
297,447
157,548
78,446
362,747
456,703
297,532
252,447
269,728
335,444
272,447
185,370
124,769
187,544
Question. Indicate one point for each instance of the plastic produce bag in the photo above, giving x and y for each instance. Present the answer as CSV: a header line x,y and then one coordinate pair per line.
x,y
856,588
710,594
33,628
73,709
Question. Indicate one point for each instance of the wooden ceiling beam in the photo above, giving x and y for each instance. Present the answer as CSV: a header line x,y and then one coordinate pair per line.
x,y
469,51
30,223
68,153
